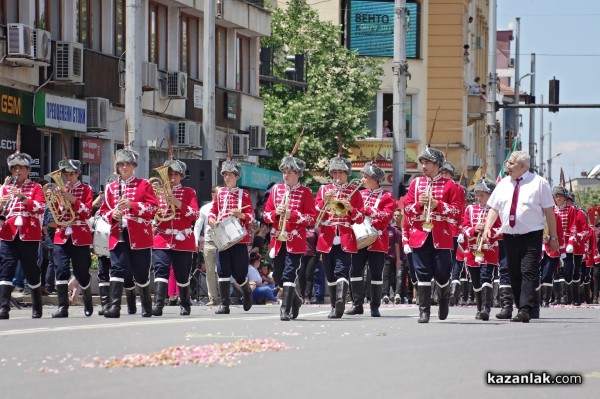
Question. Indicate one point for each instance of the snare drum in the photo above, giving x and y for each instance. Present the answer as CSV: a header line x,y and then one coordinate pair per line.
x,y
365,233
101,234
227,233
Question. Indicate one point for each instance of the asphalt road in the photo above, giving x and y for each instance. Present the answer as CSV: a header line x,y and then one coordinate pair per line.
x,y
354,357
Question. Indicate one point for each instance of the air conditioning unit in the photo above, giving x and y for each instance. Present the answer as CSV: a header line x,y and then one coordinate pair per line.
x,y
239,145
149,76
188,134
176,85
42,47
20,41
68,65
258,137
97,114
219,10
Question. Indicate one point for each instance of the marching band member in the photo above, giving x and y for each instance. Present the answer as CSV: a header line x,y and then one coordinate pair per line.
x,y
22,208
550,262
290,209
337,241
233,201
432,203
481,255
581,238
379,206
174,241
72,242
566,218
129,206
592,258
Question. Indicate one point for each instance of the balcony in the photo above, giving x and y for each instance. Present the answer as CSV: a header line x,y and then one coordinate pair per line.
x,y
476,108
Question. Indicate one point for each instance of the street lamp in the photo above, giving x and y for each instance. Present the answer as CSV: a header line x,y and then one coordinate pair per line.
x,y
550,167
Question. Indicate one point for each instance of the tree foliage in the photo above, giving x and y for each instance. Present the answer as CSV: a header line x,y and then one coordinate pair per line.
x,y
341,88
588,197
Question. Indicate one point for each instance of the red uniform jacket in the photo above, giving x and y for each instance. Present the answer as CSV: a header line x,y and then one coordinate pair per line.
x,y
379,206
139,218
178,232
443,217
565,217
302,215
474,215
31,213
581,237
592,257
335,226
561,244
461,197
80,231
229,199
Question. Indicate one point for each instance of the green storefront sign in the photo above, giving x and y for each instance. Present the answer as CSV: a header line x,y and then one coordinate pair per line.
x,y
253,177
16,106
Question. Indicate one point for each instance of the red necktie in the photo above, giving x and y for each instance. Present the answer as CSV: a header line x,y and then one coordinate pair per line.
x,y
513,206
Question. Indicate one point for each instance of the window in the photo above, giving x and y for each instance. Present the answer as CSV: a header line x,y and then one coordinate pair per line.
x,y
388,112
119,27
9,11
89,23
157,35
221,56
189,50
242,71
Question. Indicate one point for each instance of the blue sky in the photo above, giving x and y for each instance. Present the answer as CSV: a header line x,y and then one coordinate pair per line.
x,y
565,36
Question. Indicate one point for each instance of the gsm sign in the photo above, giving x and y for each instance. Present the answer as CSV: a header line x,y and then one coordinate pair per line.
x,y
10,105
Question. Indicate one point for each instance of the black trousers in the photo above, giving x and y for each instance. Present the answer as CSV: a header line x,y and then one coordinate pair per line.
x,y
306,276
234,262
285,266
79,256
337,264
126,261
26,252
181,261
430,263
375,261
523,254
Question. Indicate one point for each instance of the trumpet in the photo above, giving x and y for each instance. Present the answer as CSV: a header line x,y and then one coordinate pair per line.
x,y
335,204
283,217
478,248
427,225
61,210
162,189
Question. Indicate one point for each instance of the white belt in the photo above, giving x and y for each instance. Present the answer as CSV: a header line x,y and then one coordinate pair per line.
x,y
26,214
330,223
174,231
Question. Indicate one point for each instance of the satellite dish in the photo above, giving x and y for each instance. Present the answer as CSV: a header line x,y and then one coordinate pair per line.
x,y
595,171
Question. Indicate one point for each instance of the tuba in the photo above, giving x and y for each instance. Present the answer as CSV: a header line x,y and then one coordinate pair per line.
x,y
61,210
162,189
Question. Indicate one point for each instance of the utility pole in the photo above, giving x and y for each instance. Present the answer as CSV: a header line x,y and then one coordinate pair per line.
x,y
517,49
400,69
208,87
532,115
491,127
550,155
541,149
133,81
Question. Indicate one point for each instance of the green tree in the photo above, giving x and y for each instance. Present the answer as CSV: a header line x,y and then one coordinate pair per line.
x,y
588,197
341,88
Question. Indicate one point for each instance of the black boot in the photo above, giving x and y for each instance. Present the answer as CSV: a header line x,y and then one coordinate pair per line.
x,y
495,294
358,297
131,297
332,314
464,293
596,293
575,293
5,296
471,296
88,303
454,292
444,301
114,309
62,292
103,291
341,291
185,305
586,295
296,304
424,303
478,300
159,297
375,299
286,303
487,294
36,303
556,293
567,293
546,294
146,299
247,295
506,301
224,287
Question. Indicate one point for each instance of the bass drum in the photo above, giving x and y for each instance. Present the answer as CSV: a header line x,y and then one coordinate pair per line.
x,y
101,234
365,233
227,233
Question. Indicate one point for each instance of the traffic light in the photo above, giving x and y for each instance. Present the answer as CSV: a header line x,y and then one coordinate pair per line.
x,y
297,72
554,85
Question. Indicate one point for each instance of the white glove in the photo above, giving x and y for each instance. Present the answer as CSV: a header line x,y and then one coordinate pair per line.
x,y
407,249
570,249
461,238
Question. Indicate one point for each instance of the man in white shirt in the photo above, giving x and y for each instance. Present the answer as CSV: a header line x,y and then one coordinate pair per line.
x,y
201,230
524,203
